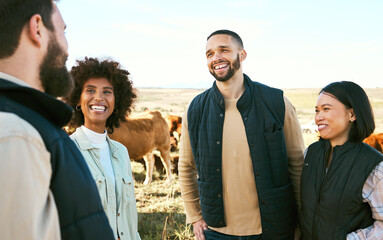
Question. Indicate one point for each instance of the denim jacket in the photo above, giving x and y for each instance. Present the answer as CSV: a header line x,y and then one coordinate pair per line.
x,y
119,205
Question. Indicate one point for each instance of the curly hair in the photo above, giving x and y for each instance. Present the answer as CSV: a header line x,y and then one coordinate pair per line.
x,y
118,77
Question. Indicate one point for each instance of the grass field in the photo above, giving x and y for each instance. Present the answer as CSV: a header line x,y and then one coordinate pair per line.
x,y
160,208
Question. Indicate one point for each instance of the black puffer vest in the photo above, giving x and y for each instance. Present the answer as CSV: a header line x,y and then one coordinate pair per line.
x,y
81,214
262,109
332,203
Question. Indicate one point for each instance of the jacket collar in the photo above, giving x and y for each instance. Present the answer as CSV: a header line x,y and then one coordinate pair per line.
x,y
340,148
84,144
55,111
243,102
13,79
217,96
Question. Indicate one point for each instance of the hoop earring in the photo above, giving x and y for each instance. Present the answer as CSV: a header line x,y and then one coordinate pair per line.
x,y
78,108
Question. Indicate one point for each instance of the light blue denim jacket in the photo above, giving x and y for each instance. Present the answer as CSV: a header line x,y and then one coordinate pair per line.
x,y
119,205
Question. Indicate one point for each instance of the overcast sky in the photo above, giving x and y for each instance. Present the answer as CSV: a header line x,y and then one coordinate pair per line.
x,y
290,43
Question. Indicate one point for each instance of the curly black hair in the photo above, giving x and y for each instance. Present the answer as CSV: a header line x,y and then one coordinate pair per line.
x,y
124,92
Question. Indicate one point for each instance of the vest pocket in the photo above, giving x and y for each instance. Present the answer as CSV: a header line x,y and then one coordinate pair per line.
x,y
210,195
276,151
274,141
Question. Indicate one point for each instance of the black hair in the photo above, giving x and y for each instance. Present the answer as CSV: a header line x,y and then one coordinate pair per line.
x,y
353,96
230,33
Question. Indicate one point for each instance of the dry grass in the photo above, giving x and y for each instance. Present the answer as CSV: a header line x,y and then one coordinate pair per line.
x,y
167,101
160,209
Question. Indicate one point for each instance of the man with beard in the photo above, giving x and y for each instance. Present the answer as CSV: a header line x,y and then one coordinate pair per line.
x,y
243,141
47,191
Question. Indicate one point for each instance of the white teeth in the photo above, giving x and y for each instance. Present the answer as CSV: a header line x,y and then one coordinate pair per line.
x,y
321,126
98,108
219,67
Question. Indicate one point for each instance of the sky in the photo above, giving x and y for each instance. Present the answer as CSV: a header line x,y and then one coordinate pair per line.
x,y
289,43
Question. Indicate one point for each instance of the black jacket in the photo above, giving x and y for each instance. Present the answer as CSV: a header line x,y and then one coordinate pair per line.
x,y
332,202
81,214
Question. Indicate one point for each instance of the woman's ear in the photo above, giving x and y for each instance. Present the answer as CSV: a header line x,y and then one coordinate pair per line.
x,y
352,115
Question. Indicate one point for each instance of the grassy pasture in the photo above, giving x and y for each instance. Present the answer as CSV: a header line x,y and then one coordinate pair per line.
x,y
160,208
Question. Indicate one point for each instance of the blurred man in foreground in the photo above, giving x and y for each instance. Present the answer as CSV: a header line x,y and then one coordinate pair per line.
x,y
47,191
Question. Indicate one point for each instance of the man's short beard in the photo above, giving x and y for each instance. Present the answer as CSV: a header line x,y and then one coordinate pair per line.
x,y
230,73
55,78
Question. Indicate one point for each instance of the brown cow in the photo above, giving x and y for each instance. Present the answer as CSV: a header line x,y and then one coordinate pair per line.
x,y
175,125
160,167
173,144
375,141
141,135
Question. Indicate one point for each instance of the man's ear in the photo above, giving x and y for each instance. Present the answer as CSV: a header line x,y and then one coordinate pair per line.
x,y
242,55
35,28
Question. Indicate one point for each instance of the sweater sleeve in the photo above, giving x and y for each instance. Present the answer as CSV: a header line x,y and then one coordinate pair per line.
x,y
188,176
295,147
27,205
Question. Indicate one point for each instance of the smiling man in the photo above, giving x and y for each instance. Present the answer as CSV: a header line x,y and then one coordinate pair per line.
x,y
47,191
241,153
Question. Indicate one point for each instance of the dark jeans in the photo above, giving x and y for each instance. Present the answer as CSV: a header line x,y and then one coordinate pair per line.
x,y
213,235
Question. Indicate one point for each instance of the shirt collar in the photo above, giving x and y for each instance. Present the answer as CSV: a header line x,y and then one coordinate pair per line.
x,y
85,144
93,136
13,79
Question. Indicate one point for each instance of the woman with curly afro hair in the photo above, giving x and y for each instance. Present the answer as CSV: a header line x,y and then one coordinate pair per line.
x,y
110,70
103,97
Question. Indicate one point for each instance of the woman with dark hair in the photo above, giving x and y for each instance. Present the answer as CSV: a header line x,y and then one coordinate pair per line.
x,y
103,97
341,191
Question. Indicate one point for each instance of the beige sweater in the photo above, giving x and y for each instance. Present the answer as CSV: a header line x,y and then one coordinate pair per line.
x,y
241,207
